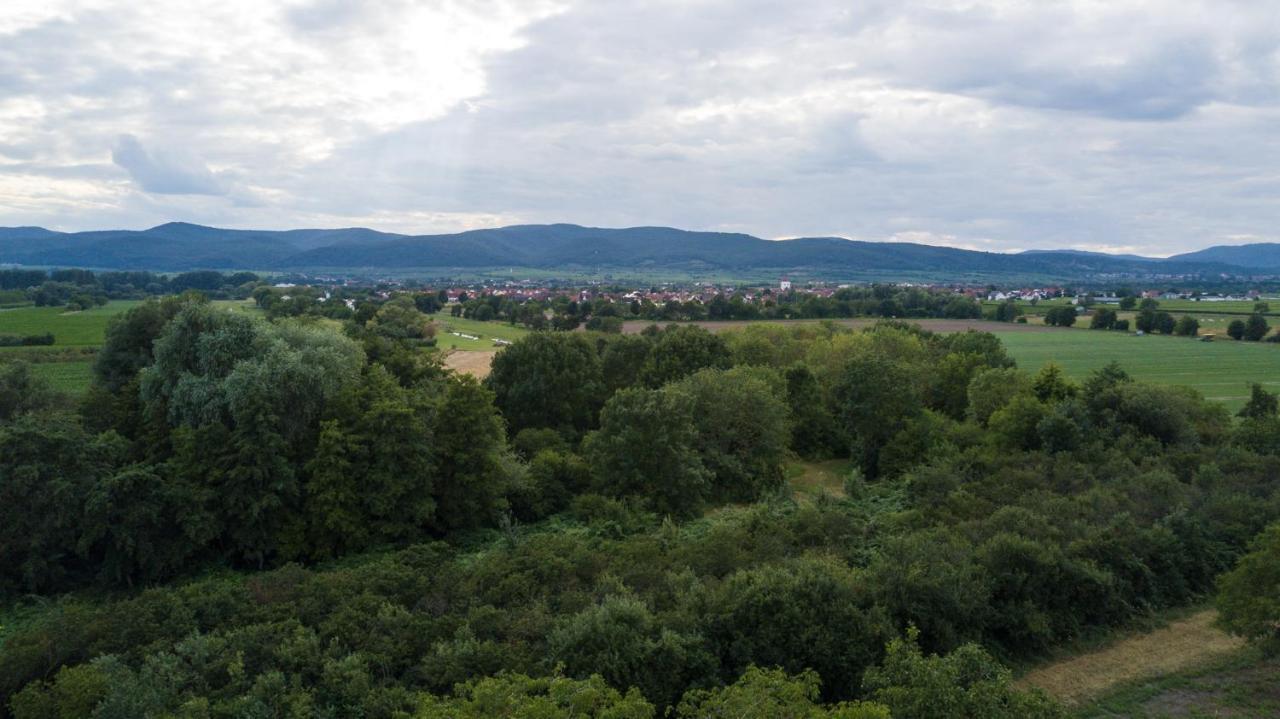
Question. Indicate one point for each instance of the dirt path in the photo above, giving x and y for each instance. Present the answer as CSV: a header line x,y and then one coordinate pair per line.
x,y
474,362
1184,644
632,327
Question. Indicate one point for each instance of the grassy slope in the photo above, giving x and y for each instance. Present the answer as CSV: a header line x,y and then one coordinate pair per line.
x,y
1220,370
1187,668
1188,642
1241,684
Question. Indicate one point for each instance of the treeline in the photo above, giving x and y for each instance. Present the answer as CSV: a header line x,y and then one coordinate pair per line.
x,y
443,547
605,314
82,289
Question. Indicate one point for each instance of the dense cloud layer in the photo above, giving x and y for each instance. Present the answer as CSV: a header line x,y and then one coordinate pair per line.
x,y
1136,126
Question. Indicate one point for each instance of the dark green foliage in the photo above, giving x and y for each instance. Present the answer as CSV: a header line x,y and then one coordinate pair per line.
x,y
931,580
647,447
743,429
48,464
1249,595
1187,326
130,340
1062,316
548,380
813,431
516,695
966,683
990,390
1103,319
1255,328
806,614
1236,330
622,360
1006,311
22,392
1261,403
874,398
472,449
622,641
372,477
996,512
682,350
771,693
1149,320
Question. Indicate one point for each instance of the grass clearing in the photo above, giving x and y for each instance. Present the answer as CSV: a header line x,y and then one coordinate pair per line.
x,y
465,335
71,378
1221,370
809,479
476,363
1183,645
1241,684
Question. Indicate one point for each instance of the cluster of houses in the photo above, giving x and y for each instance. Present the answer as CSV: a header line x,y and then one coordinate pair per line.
x,y
703,292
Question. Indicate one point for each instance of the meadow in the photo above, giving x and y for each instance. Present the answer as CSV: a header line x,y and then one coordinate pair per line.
x,y
449,335
85,330
1220,370
70,329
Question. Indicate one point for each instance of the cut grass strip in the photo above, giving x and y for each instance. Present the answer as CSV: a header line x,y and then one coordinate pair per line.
x,y
1184,644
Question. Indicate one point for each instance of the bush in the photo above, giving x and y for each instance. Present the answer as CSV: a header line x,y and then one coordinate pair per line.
x,y
1061,316
1249,595
1187,326
966,683
26,340
1255,328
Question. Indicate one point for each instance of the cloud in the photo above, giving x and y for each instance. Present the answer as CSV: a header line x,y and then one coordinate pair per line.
x,y
988,123
164,173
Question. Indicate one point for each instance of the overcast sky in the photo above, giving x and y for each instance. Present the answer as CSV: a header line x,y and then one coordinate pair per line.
x,y
1149,127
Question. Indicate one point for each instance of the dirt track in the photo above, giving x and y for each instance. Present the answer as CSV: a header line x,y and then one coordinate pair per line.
x,y
636,326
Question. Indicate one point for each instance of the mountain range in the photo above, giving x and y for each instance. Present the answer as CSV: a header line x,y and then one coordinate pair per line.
x,y
177,246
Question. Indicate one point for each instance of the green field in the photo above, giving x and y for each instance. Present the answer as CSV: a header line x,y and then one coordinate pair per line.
x,y
1220,370
69,377
486,332
68,364
86,328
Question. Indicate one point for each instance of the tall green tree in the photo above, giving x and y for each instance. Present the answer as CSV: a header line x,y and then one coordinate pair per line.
x,y
682,350
1249,595
471,447
547,379
743,428
874,398
647,447
48,465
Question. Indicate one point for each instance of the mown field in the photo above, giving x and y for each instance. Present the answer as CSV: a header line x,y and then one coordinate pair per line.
x,y
85,330
478,335
1220,370
70,329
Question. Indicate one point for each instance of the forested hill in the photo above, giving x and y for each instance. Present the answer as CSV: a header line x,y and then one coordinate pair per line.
x,y
1259,254
181,246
